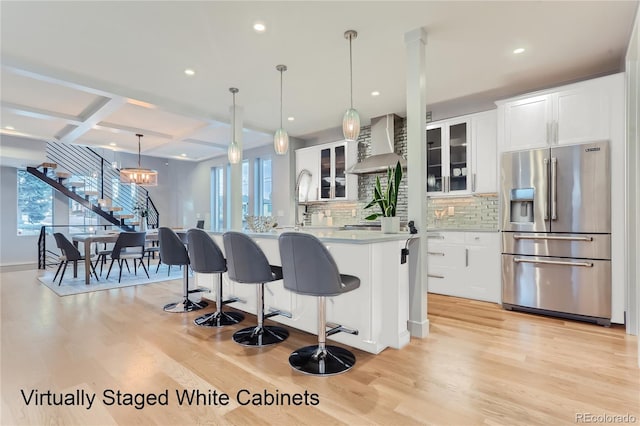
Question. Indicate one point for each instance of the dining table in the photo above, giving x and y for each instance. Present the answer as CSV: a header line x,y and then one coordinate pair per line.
x,y
88,239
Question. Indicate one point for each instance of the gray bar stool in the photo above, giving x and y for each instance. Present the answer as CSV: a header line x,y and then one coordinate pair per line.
x,y
206,258
308,268
248,264
173,252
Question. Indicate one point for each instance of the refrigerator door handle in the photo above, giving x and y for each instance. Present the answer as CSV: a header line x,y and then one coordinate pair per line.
x,y
551,237
553,262
554,188
466,257
545,208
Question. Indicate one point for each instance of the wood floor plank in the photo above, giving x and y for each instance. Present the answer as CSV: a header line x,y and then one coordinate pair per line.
x,y
479,365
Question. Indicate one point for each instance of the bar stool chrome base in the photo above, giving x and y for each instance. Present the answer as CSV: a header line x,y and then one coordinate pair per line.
x,y
260,336
317,362
219,319
185,306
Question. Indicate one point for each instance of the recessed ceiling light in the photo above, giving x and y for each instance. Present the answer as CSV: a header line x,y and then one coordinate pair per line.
x,y
518,50
291,118
375,93
259,27
183,155
112,144
9,127
189,72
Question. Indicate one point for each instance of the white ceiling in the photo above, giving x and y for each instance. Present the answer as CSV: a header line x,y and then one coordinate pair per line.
x,y
96,73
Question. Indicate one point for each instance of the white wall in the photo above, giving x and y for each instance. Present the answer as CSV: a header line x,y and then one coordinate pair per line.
x,y
633,180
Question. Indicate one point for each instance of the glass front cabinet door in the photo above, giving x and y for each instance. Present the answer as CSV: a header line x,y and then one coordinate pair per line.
x,y
448,154
333,180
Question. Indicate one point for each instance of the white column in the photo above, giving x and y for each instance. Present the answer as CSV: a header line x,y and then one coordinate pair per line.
x,y
235,178
415,42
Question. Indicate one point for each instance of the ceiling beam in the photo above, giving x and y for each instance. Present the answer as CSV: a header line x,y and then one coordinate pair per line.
x,y
98,112
33,112
110,127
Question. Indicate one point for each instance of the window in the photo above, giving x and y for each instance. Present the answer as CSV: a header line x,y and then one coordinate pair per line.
x,y
217,199
35,204
263,187
245,191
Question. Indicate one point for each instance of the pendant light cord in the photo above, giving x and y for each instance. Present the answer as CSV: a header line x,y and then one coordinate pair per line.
x,y
139,136
350,71
233,125
281,71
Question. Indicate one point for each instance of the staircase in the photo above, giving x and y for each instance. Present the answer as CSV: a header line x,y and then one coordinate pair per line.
x,y
88,179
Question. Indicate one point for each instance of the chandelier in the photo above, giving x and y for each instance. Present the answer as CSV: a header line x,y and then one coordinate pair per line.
x,y
138,175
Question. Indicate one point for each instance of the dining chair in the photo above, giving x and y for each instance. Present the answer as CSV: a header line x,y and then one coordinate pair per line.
x,y
69,254
129,245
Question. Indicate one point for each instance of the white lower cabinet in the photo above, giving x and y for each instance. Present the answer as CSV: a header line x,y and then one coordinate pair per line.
x,y
464,264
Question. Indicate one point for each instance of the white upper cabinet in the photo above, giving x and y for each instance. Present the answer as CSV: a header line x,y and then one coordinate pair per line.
x,y
308,158
327,164
484,152
461,155
448,154
571,114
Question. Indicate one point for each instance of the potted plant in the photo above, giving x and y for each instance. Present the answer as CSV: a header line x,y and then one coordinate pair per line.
x,y
142,212
387,200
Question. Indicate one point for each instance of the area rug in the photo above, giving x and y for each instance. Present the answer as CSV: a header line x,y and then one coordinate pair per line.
x,y
71,285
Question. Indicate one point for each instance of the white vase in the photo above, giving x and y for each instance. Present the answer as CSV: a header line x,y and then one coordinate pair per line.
x,y
143,224
390,225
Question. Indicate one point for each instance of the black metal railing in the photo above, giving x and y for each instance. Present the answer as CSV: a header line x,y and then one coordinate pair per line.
x,y
98,174
47,257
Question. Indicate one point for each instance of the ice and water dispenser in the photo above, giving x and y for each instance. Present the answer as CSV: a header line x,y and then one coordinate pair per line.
x,y
522,205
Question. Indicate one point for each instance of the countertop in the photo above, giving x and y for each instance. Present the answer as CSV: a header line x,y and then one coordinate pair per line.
x,y
334,235
461,230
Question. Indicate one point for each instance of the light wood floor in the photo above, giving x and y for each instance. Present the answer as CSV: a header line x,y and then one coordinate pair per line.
x,y
480,365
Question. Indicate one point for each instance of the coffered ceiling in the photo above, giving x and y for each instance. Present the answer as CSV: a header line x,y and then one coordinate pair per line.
x,y
97,73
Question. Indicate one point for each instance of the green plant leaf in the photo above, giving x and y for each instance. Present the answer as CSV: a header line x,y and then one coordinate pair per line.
x,y
372,216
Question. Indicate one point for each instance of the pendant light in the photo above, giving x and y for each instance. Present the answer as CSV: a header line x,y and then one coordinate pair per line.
x,y
234,152
281,138
351,119
139,176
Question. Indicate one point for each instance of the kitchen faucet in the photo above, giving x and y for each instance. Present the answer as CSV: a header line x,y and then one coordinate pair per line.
x,y
303,173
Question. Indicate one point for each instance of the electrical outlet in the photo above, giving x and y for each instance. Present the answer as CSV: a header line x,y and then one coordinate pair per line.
x,y
451,211
353,213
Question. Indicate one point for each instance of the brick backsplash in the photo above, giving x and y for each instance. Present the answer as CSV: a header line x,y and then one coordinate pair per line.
x,y
468,212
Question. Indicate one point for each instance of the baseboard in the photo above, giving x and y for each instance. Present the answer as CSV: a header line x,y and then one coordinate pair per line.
x,y
18,267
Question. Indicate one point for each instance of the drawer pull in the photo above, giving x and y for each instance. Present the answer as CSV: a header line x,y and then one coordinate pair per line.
x,y
435,276
435,237
435,253
554,262
551,237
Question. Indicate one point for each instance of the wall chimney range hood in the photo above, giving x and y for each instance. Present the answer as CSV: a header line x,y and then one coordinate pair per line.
x,y
382,154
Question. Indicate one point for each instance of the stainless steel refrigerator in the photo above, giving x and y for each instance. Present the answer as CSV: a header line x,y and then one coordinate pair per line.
x,y
556,231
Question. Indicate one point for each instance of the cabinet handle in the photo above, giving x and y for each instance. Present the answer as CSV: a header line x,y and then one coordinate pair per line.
x,y
435,276
435,253
466,257
435,237
473,182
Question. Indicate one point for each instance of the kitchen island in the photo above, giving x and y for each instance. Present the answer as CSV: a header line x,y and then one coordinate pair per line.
x,y
378,309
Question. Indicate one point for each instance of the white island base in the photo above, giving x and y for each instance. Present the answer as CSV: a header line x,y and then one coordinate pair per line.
x,y
378,309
